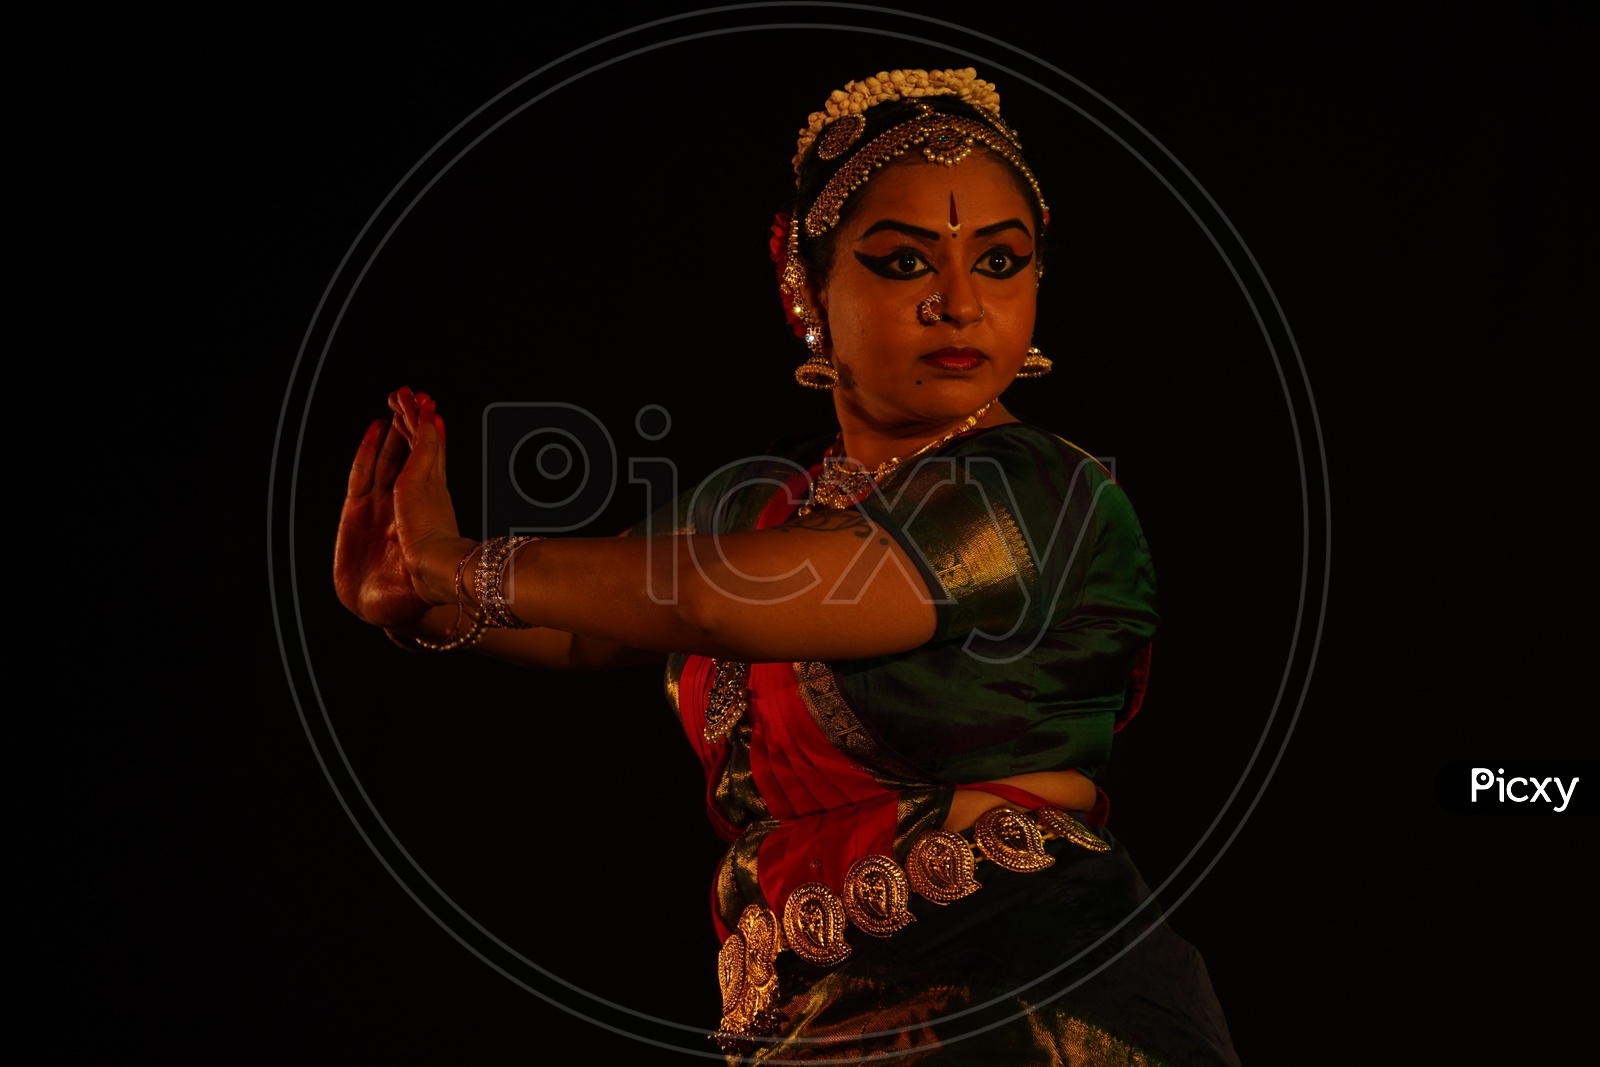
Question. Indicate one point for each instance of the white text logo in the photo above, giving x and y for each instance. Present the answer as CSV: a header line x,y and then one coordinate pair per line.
x,y
1520,790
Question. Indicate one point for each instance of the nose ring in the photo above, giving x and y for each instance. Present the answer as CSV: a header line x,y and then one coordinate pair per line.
x,y
931,310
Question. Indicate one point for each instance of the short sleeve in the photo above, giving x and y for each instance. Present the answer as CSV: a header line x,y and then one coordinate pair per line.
x,y
1015,531
1045,600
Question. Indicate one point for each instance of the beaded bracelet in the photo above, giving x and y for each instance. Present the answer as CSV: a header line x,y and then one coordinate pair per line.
x,y
489,581
473,634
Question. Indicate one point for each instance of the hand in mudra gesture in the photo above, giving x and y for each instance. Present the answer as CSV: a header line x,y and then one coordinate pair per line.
x,y
398,544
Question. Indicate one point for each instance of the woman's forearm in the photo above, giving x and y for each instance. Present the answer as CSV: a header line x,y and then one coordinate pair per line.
x,y
834,588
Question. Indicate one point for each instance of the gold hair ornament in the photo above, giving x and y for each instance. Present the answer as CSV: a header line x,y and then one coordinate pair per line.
x,y
842,118
946,139
817,372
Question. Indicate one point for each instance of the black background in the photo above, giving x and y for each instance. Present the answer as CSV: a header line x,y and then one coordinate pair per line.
x,y
1415,188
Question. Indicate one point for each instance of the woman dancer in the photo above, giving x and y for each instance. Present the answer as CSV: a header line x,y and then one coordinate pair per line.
x,y
900,649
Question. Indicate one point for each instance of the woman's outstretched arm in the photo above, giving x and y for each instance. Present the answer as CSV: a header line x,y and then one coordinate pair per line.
x,y
831,586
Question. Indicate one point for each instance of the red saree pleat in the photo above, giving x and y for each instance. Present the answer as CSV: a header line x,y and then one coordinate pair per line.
x,y
831,809
797,769
820,848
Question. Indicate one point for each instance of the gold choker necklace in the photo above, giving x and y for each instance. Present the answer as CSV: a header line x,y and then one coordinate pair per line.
x,y
842,482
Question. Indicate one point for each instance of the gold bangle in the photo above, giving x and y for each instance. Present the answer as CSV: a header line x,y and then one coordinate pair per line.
x,y
473,634
461,600
488,583
471,637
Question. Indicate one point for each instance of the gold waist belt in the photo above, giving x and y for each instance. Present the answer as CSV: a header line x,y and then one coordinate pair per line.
x,y
874,899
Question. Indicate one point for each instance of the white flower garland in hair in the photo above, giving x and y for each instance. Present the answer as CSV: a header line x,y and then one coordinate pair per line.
x,y
857,96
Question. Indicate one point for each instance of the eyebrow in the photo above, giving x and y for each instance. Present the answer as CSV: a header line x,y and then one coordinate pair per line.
x,y
899,227
928,235
1008,224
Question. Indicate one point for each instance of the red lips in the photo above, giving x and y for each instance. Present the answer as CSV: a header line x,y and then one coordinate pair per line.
x,y
955,359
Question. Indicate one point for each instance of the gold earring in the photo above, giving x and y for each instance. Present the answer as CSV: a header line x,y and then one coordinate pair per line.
x,y
1035,364
931,310
812,326
817,373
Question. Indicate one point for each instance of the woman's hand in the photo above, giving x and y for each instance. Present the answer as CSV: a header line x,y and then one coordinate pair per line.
x,y
398,544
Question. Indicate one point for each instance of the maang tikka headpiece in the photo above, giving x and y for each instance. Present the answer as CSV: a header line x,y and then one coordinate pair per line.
x,y
837,131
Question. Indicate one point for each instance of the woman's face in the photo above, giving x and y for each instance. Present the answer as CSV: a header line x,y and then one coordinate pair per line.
x,y
921,228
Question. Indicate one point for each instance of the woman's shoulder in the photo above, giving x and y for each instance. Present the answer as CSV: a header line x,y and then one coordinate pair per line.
x,y
1012,469
1025,440
1017,476
1014,525
1027,460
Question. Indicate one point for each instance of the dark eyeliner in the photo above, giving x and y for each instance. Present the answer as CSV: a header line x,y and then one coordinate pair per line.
x,y
879,265
1018,262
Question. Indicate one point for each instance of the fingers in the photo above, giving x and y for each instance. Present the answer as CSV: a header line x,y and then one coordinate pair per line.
x,y
421,496
413,412
428,440
415,417
402,420
406,404
361,471
392,457
438,426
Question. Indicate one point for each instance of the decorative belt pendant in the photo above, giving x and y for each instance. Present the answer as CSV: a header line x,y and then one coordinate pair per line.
x,y
813,925
749,983
729,699
1058,823
1011,840
940,866
876,893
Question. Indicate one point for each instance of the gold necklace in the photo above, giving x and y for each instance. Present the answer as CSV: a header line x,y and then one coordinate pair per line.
x,y
842,482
